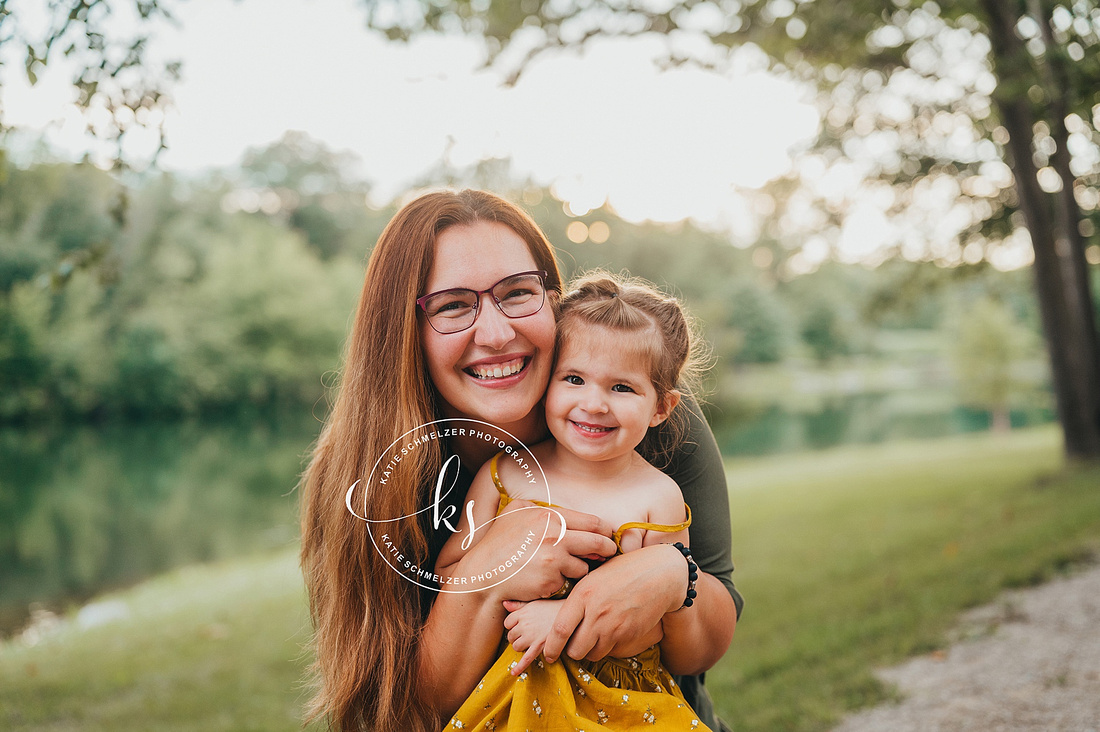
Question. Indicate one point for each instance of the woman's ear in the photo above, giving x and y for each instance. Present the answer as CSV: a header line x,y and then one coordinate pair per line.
x,y
665,405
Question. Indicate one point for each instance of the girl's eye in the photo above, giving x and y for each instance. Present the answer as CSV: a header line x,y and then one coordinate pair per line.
x,y
622,388
574,380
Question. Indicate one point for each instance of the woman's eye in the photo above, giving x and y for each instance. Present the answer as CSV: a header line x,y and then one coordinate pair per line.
x,y
574,380
451,307
622,388
518,294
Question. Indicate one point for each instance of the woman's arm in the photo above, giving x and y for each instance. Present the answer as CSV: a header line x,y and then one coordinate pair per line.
x,y
480,504
698,469
457,645
697,637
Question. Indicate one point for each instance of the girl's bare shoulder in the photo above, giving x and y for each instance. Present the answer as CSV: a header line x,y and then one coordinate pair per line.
x,y
663,497
520,472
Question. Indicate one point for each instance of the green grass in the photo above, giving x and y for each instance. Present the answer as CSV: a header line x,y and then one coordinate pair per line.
x,y
215,647
856,558
849,559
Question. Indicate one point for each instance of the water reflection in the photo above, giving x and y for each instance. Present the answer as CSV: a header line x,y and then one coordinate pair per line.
x,y
87,508
854,419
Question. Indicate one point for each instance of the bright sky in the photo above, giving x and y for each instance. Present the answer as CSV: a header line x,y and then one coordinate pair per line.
x,y
605,125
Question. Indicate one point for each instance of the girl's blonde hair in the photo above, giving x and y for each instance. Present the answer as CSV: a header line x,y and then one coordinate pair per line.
x,y
368,618
666,338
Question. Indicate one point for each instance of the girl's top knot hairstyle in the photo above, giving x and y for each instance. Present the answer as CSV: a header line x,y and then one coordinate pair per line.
x,y
665,337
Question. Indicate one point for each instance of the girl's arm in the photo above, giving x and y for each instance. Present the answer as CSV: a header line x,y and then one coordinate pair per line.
x,y
618,607
530,624
484,499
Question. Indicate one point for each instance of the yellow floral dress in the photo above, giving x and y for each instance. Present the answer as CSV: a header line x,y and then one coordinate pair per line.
x,y
610,694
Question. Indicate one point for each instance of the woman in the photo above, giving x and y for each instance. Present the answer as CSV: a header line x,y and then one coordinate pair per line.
x,y
390,656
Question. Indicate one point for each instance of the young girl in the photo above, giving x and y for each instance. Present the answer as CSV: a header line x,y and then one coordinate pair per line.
x,y
622,350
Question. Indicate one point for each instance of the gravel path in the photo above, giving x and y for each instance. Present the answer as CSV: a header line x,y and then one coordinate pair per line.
x,y
1029,662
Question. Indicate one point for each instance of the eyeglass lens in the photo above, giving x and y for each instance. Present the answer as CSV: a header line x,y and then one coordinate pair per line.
x,y
455,310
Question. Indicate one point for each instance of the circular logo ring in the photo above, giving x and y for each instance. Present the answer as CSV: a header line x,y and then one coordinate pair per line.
x,y
387,451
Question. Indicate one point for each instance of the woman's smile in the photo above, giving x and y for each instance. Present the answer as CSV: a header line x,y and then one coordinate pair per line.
x,y
490,371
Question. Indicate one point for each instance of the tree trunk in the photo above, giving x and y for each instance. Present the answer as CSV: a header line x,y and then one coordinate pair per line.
x,y
1057,84
1060,269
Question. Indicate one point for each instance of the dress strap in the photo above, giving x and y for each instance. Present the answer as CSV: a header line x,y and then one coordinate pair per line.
x,y
505,499
663,528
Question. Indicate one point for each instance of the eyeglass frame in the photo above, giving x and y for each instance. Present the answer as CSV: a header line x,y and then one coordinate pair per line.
x,y
542,274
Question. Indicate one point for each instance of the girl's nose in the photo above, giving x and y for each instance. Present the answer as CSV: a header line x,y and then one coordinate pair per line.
x,y
593,402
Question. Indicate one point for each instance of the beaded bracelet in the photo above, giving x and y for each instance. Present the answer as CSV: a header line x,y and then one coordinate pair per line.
x,y
693,575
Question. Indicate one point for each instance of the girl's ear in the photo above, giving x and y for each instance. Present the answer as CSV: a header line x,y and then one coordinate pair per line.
x,y
665,405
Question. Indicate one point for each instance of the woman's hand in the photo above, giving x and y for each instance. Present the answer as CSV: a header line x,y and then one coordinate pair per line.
x,y
553,561
620,607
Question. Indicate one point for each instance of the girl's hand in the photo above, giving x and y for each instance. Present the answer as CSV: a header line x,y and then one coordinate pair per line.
x,y
528,624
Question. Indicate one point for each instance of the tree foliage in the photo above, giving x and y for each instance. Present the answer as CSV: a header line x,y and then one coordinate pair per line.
x,y
214,297
312,188
121,85
195,309
986,108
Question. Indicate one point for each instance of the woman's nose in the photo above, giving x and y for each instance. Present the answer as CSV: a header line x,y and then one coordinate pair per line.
x,y
493,328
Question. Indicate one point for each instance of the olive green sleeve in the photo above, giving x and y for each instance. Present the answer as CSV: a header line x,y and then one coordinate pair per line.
x,y
696,466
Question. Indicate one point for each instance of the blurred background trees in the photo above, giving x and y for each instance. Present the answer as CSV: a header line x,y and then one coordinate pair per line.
x,y
217,295
989,343
918,97
196,305
166,339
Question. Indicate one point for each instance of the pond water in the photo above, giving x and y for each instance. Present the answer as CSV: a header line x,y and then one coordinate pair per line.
x,y
89,508
855,419
83,509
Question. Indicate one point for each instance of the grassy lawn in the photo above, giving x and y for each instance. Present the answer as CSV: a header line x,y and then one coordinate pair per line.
x,y
849,559
859,557
216,647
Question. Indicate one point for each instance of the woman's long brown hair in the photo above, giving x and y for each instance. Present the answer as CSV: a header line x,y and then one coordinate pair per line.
x,y
367,617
